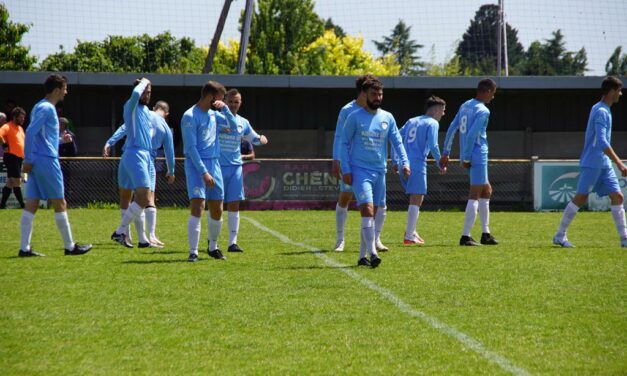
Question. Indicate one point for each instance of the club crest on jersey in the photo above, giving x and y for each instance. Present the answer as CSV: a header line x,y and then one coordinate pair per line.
x,y
384,125
240,128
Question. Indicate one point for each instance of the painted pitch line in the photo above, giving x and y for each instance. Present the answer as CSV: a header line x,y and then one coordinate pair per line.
x,y
388,295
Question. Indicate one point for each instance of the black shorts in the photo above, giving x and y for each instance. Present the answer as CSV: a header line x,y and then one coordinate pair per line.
x,y
13,164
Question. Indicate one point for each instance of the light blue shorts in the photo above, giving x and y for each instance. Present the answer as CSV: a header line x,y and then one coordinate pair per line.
x,y
478,174
369,186
416,184
135,168
233,183
45,181
196,187
601,181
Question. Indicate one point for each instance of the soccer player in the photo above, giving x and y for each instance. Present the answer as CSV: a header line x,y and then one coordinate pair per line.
x,y
420,136
231,164
472,121
13,135
203,175
363,157
346,191
162,138
136,160
597,174
41,162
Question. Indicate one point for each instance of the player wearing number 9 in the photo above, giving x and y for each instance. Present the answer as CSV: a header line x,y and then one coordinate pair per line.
x,y
472,121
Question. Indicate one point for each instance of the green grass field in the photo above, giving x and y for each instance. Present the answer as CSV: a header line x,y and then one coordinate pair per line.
x,y
279,308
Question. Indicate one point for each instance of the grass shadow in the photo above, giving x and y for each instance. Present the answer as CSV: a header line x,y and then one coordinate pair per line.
x,y
298,253
142,262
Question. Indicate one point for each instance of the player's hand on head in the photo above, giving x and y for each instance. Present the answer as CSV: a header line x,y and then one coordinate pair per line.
x,y
218,105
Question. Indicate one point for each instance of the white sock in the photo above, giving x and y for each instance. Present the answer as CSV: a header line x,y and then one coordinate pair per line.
x,y
214,232
379,220
618,212
63,224
368,235
128,228
363,250
151,221
193,233
140,227
568,216
470,216
340,221
412,219
233,226
133,211
484,214
26,230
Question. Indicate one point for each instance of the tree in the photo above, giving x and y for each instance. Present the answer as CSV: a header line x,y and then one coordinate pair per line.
x,y
478,48
280,30
161,54
450,67
335,56
13,56
403,48
552,59
329,25
616,65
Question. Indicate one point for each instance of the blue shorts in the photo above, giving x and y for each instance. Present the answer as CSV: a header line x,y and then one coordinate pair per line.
x,y
416,184
233,183
369,186
478,174
196,187
601,181
45,181
134,170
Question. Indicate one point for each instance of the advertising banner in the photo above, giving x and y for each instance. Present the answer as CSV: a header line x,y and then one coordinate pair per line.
x,y
555,184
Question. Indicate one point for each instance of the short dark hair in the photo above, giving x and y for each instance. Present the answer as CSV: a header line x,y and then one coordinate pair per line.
x,y
373,83
17,111
213,88
63,120
162,105
434,101
487,84
611,83
363,78
232,92
54,81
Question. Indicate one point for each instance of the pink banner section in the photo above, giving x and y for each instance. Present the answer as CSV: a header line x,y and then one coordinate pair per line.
x,y
289,184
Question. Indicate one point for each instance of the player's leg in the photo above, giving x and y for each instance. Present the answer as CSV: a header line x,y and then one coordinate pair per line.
x,y
233,181
52,189
215,199
588,179
378,198
16,182
151,222
140,220
28,215
363,182
478,180
341,214
416,187
608,185
484,215
126,196
136,165
196,194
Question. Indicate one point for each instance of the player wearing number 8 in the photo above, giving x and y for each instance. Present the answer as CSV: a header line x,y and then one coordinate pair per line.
x,y
472,121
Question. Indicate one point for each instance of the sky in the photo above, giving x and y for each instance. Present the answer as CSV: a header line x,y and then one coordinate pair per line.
x,y
436,25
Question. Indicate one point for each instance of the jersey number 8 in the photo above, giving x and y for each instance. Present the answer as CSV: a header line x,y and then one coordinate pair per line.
x,y
463,124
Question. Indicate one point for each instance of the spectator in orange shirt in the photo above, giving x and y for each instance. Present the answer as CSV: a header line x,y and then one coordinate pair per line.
x,y
12,134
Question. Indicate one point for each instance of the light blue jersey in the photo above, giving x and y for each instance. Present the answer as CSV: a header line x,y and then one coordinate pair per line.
x,y
200,129
138,120
365,139
42,135
420,136
230,142
163,138
598,137
471,121
339,126
119,134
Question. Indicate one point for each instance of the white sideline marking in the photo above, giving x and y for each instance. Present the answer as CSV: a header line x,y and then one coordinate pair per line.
x,y
466,340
